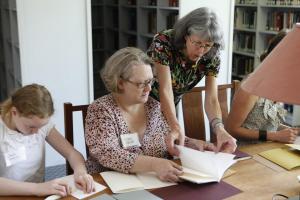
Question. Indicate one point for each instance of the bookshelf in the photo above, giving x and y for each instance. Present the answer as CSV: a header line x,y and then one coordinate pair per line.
x,y
121,23
255,23
10,69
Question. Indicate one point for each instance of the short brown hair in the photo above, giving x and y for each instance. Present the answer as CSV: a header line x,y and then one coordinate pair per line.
x,y
30,100
119,65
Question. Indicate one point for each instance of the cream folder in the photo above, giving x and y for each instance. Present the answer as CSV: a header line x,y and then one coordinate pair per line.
x,y
120,182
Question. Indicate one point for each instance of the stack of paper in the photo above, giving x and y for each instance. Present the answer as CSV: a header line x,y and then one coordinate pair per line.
x,y
120,182
203,167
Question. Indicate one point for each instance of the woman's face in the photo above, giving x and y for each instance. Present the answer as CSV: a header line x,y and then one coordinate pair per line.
x,y
196,47
28,125
138,86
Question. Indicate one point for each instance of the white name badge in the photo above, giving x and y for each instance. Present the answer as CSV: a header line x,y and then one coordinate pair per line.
x,y
15,156
130,140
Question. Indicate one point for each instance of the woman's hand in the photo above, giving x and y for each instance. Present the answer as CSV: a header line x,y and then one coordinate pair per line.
x,y
84,182
166,170
56,186
175,135
287,135
225,142
200,145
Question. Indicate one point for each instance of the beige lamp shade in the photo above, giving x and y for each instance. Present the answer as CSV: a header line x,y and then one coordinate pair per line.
x,y
278,76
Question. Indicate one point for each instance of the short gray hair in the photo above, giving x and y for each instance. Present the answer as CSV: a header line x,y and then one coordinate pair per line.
x,y
202,22
119,65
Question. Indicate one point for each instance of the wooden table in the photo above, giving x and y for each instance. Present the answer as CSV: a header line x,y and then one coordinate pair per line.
x,y
254,179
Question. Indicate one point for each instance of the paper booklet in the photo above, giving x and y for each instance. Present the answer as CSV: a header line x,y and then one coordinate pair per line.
x,y
120,182
204,167
75,192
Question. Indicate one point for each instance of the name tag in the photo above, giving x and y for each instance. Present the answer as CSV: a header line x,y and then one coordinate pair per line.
x,y
130,140
15,156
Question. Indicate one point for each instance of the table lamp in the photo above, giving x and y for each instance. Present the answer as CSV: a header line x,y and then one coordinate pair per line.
x,y
278,76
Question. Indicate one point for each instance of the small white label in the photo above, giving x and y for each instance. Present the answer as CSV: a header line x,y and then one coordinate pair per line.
x,y
130,140
15,156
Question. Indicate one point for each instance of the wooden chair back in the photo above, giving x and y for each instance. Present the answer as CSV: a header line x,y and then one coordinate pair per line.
x,y
193,109
69,132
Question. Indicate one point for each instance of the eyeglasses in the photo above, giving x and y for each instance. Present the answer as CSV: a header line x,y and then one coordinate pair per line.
x,y
142,85
200,45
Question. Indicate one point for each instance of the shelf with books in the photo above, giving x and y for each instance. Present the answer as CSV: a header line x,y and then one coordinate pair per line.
x,y
10,48
259,21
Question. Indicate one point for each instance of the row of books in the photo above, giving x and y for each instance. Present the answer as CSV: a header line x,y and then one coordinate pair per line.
x,y
247,2
277,20
245,18
173,3
242,65
171,19
97,16
283,2
244,41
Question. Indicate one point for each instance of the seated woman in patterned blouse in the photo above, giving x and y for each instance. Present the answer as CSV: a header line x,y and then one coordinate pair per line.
x,y
125,130
255,118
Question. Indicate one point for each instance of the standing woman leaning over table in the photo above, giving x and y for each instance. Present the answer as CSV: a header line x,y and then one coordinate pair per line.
x,y
183,56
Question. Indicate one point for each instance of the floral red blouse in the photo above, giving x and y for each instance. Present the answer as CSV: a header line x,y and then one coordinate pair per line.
x,y
105,124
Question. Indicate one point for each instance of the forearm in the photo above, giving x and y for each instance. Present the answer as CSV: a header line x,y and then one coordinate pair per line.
x,y
10,187
168,108
244,133
143,164
212,109
77,162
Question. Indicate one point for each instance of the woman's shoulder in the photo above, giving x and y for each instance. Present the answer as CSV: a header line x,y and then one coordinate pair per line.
x,y
153,106
103,102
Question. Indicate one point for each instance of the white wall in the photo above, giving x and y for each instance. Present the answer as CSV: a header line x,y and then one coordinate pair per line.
x,y
225,12
55,51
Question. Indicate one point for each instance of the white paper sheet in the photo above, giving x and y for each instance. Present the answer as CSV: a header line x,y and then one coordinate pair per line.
x,y
77,193
209,165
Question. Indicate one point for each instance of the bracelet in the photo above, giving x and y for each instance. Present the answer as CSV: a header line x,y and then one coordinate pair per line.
x,y
219,124
262,135
215,121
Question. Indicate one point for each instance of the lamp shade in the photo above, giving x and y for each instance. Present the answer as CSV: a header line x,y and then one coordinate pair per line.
x,y
278,76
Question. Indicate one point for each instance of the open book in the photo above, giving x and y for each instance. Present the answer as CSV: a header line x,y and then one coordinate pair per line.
x,y
203,167
120,182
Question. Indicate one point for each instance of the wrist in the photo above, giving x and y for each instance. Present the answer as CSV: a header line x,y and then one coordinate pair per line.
x,y
262,135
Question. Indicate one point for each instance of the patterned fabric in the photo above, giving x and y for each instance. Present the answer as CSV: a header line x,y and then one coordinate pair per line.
x,y
185,74
105,124
265,115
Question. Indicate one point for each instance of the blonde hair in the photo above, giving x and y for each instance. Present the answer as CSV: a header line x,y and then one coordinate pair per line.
x,y
119,66
30,100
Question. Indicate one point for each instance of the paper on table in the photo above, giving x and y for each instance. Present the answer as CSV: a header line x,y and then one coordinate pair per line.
x,y
151,181
120,182
209,166
79,194
284,157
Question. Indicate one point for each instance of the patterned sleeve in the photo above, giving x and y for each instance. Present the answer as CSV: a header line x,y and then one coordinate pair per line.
x,y
212,66
103,141
159,50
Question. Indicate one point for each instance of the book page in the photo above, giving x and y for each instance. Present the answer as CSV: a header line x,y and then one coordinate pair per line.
x,y
120,182
151,181
207,163
77,193
196,176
